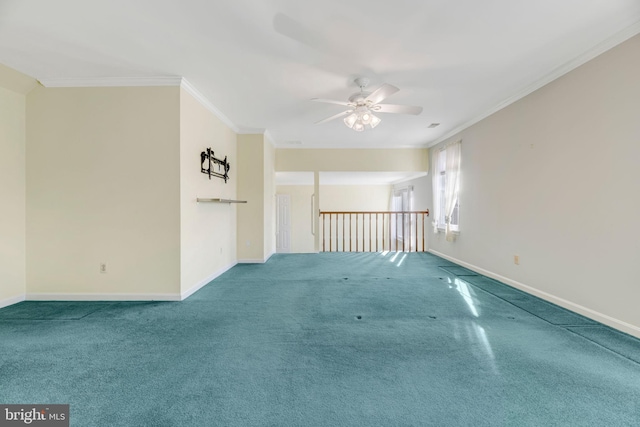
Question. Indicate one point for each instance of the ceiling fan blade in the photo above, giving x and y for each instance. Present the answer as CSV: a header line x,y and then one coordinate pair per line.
x,y
293,29
381,93
344,113
399,109
331,101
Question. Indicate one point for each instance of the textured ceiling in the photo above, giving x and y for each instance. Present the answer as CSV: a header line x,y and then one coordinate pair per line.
x,y
259,62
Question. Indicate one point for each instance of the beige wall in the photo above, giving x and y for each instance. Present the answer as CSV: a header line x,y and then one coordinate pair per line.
x,y
553,178
256,185
207,230
12,192
251,216
15,81
354,197
352,160
269,199
103,185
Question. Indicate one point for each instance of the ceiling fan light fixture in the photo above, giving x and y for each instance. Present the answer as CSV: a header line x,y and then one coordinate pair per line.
x,y
364,114
359,119
362,106
350,120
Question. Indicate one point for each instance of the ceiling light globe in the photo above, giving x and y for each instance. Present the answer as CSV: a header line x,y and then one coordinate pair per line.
x,y
350,120
375,121
358,127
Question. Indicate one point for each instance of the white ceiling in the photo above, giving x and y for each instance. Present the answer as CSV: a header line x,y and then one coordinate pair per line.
x,y
260,61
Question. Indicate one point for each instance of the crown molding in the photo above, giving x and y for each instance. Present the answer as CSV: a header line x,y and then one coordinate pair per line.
x,y
190,89
142,82
250,131
112,81
598,49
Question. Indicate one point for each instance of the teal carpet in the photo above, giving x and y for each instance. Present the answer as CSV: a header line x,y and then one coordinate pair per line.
x,y
529,303
334,339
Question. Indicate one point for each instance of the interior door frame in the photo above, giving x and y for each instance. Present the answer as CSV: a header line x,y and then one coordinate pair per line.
x,y
279,249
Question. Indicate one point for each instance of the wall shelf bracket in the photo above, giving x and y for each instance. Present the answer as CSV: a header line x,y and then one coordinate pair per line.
x,y
218,200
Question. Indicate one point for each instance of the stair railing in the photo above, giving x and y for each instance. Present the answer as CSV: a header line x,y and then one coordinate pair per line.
x,y
375,231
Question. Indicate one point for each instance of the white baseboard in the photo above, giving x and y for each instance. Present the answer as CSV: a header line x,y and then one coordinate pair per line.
x,y
101,297
55,296
255,260
585,311
13,300
195,288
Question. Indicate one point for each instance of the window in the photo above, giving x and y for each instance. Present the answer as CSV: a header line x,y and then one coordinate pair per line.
x,y
446,178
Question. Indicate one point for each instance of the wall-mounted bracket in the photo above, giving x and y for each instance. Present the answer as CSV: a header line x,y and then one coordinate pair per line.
x,y
209,163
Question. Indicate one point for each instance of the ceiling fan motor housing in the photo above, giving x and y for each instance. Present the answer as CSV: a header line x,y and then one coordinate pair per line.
x,y
358,98
362,82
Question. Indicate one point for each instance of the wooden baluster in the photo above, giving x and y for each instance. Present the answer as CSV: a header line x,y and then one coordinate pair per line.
x,y
404,238
423,250
412,226
323,228
350,238
376,231
330,226
337,239
343,232
369,232
337,232
417,231
383,216
409,234
395,228
356,232
390,233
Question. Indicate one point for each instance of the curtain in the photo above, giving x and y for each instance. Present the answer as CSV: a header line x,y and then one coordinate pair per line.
x,y
410,219
452,185
395,221
435,186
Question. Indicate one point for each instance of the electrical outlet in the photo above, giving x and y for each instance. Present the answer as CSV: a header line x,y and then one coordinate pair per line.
x,y
103,267
516,260
248,243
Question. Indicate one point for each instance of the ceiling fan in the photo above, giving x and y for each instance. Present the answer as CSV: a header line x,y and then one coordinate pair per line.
x,y
362,106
